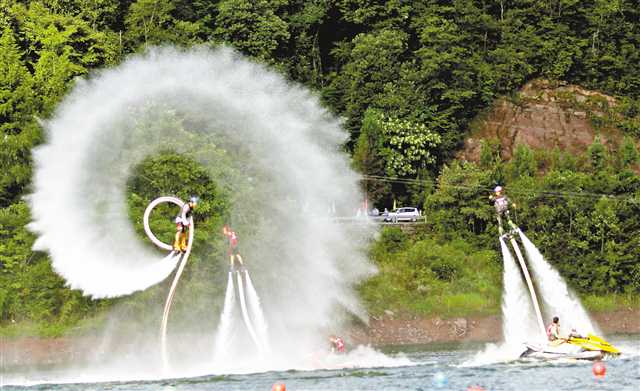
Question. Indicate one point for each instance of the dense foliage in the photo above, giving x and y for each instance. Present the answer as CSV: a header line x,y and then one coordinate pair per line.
x,y
582,213
407,76
432,276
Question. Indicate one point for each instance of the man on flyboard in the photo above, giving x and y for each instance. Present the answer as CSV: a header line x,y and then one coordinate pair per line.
x,y
501,203
233,250
183,220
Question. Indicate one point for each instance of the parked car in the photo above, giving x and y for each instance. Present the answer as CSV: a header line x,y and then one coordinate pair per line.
x,y
403,214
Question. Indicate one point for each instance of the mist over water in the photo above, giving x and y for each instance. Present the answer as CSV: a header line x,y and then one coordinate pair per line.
x,y
282,149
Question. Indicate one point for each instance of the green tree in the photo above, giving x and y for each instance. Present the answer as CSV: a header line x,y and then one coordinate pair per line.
x,y
597,155
408,146
368,158
628,152
18,130
460,204
152,22
304,59
253,27
523,162
372,64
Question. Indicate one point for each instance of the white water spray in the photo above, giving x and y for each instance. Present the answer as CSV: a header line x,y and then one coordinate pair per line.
x,y
256,313
556,296
518,319
280,146
245,315
223,335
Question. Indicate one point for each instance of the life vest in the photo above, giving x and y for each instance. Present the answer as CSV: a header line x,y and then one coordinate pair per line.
x,y
185,215
550,332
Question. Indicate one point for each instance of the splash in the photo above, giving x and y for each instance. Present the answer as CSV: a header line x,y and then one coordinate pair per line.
x,y
223,335
267,142
518,321
257,314
556,296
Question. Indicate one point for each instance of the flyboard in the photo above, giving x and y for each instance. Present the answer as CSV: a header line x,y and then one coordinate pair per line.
x,y
183,261
577,347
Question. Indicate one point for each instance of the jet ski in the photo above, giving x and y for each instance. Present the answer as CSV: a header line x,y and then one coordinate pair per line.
x,y
576,348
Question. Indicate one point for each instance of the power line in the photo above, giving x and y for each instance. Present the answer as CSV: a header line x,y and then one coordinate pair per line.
x,y
546,193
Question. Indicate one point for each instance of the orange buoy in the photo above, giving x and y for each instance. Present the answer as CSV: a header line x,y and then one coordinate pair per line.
x,y
598,368
279,387
475,388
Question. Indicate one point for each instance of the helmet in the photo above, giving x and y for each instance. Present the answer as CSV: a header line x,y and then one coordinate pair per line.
x,y
498,189
194,199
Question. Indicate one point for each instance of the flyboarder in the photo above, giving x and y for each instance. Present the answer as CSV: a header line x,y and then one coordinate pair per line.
x,y
337,344
233,246
182,225
501,203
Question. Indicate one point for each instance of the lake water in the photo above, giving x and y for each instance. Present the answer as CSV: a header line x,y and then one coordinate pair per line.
x,y
443,367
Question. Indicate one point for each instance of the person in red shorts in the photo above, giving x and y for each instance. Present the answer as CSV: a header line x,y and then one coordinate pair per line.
x,y
337,344
233,250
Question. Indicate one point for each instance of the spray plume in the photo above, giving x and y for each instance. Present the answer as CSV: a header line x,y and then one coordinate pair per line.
x,y
518,321
558,299
282,150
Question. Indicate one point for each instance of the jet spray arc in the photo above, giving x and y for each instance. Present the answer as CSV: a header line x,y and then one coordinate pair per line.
x,y
555,296
183,257
509,237
250,307
209,104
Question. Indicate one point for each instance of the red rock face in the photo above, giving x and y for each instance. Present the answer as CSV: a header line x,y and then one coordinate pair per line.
x,y
544,116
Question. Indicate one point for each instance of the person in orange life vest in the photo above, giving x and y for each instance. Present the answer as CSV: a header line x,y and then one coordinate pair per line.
x,y
337,344
233,246
501,203
553,332
182,225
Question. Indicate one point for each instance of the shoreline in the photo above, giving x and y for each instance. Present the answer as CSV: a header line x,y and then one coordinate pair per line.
x,y
387,331
391,331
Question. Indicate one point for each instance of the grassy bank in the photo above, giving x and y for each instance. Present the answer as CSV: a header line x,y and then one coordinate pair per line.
x,y
611,302
88,325
432,277
427,276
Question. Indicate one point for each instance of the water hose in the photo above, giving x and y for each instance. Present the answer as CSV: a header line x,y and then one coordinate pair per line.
x,y
183,262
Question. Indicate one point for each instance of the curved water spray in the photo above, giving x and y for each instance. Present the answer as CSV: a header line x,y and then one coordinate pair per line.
x,y
264,141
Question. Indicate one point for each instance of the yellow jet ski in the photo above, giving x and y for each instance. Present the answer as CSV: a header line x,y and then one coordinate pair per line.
x,y
576,348
593,343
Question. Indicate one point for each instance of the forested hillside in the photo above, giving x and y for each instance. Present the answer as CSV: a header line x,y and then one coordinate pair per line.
x,y
407,77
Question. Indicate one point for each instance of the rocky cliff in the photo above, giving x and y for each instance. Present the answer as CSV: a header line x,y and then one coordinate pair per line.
x,y
546,115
